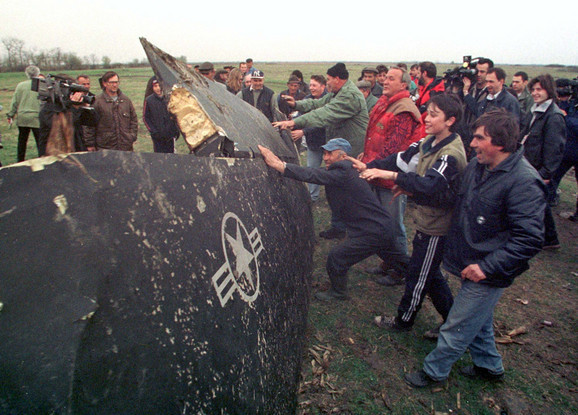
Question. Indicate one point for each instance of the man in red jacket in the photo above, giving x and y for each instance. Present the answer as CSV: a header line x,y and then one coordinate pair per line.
x,y
429,84
394,124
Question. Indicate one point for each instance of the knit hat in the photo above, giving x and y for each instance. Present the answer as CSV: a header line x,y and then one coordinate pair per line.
x,y
338,71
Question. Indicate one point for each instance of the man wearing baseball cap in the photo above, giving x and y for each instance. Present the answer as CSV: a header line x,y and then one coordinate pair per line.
x,y
259,96
342,112
351,198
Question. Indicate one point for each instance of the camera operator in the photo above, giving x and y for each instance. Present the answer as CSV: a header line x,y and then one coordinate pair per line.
x,y
567,92
473,95
62,118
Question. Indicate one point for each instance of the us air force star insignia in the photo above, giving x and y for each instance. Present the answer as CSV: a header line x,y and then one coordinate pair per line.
x,y
240,272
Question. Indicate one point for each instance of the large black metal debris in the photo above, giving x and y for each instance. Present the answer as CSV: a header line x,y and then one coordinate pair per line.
x,y
153,283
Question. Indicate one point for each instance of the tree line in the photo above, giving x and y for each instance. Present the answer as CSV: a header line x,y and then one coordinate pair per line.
x,y
18,57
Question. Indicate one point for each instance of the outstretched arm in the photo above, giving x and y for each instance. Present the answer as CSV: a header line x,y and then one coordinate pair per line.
x,y
272,160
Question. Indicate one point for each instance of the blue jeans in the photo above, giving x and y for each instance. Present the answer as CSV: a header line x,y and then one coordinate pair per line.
x,y
314,159
469,325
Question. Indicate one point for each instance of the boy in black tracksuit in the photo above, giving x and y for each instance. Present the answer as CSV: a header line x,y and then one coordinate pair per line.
x,y
429,171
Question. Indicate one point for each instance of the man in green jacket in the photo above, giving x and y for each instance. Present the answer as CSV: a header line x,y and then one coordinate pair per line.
x,y
343,113
25,104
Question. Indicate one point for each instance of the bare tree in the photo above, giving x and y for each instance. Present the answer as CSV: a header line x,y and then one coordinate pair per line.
x,y
15,49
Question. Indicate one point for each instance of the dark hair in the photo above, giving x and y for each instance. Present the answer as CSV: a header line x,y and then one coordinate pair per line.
x,y
82,76
149,88
547,82
107,75
428,67
523,74
381,68
483,61
298,74
248,60
414,66
502,127
450,105
500,73
319,79
402,66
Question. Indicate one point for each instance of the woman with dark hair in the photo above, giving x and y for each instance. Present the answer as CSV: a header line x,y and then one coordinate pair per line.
x,y
544,138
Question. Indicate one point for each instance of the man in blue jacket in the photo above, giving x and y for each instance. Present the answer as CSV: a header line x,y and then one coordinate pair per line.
x,y
368,224
498,96
498,225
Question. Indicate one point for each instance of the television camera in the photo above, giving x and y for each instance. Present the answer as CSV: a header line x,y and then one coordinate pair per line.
x,y
567,87
58,90
454,78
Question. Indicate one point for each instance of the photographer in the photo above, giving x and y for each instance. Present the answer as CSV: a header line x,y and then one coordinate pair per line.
x,y
473,95
567,92
66,110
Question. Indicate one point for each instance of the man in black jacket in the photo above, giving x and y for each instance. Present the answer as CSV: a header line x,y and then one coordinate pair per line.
x,y
368,224
260,96
498,225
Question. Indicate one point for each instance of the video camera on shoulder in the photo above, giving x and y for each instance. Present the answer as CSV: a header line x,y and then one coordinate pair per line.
x,y
58,89
567,87
454,78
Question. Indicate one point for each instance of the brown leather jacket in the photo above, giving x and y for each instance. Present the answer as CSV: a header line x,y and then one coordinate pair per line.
x,y
117,126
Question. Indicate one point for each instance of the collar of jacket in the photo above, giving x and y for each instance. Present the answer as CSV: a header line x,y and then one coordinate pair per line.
x,y
427,145
108,98
543,107
508,163
492,97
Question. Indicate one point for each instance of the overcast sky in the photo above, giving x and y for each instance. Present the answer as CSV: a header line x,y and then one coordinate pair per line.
x,y
313,30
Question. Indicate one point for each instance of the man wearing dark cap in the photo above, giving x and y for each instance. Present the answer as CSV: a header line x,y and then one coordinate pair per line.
x,y
208,70
292,90
259,96
343,113
353,200
365,88
370,74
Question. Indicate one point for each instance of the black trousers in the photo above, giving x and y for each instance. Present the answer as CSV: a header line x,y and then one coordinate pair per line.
x,y
23,133
424,277
354,250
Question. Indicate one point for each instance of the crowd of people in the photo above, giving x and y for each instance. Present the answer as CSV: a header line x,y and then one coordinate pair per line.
x,y
477,167
480,166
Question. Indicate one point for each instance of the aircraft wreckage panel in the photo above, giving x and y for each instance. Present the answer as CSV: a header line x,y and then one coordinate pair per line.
x,y
240,122
151,283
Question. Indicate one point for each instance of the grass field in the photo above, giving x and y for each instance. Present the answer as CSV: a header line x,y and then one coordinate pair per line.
x,y
353,367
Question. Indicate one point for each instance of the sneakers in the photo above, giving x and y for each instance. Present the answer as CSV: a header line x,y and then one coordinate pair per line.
x,y
390,279
332,233
330,295
476,372
389,323
421,380
432,334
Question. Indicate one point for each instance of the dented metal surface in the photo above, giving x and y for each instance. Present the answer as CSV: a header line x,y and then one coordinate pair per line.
x,y
240,122
153,283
